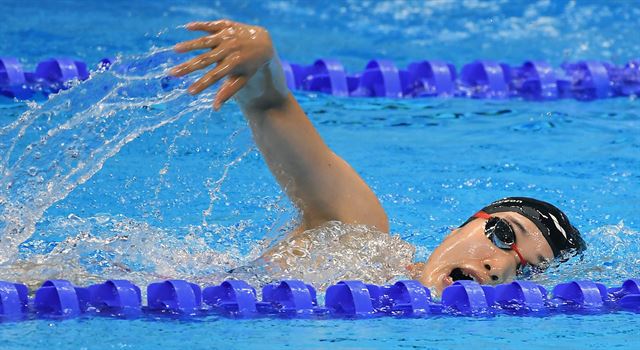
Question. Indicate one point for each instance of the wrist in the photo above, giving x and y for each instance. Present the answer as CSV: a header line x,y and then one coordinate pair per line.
x,y
266,89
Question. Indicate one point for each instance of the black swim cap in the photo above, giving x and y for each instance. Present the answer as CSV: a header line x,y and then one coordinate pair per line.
x,y
564,238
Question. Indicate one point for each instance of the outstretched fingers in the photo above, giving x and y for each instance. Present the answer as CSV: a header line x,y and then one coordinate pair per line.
x,y
201,61
222,69
222,46
228,89
206,42
212,27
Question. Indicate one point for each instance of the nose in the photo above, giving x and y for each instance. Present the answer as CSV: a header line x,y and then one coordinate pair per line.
x,y
500,270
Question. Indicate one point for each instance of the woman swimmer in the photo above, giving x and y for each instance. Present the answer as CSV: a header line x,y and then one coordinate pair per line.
x,y
499,242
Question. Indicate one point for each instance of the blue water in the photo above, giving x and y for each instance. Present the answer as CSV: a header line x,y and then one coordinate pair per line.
x,y
119,177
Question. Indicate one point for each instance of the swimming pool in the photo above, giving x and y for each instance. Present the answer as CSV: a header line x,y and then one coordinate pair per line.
x,y
190,197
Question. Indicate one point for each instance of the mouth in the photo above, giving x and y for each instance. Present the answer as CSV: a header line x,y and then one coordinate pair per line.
x,y
458,274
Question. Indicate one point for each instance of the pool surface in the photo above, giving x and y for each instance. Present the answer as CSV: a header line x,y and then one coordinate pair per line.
x,y
126,176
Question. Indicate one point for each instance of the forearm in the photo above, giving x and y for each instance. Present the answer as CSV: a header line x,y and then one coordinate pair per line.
x,y
319,182
292,149
285,136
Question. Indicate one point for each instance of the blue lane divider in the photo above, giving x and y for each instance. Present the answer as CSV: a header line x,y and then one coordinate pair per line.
x,y
290,297
13,81
174,296
380,78
628,295
584,294
50,76
587,80
485,79
60,298
407,298
468,297
351,298
521,295
326,76
232,297
293,298
533,80
13,299
431,78
118,297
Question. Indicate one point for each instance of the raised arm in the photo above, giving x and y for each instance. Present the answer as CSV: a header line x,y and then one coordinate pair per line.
x,y
320,183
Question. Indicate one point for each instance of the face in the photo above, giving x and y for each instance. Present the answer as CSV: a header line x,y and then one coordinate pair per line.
x,y
467,253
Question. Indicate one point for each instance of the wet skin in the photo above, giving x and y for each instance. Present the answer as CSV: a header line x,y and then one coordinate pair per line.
x,y
468,249
321,184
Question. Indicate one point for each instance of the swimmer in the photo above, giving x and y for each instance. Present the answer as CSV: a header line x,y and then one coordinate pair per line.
x,y
503,240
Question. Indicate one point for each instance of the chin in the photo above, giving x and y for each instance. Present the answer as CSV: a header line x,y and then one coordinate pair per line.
x,y
436,282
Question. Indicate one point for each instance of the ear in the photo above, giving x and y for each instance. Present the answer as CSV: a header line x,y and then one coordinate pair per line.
x,y
415,269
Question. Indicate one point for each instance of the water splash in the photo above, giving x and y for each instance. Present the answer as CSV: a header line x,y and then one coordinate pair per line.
x,y
612,256
54,147
117,247
334,252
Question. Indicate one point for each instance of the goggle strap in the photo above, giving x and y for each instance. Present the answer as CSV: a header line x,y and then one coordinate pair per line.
x,y
523,262
482,215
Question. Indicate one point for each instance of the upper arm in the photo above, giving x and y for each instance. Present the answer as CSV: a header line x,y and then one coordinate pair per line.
x,y
337,192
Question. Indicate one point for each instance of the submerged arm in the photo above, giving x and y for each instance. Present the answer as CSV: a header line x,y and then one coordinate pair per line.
x,y
320,183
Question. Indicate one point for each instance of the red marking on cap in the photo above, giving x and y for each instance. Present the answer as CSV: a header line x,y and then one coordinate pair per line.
x,y
482,215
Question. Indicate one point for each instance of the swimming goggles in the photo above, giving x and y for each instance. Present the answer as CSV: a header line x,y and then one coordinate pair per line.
x,y
501,234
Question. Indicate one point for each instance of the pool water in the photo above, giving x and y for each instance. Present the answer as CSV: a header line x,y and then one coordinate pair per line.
x,y
126,176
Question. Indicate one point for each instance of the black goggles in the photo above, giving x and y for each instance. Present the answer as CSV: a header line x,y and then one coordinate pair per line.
x,y
501,234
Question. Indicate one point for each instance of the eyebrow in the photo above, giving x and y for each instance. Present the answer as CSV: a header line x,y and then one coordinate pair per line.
x,y
520,226
541,259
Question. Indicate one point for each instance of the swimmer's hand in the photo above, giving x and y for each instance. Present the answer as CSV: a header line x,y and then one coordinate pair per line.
x,y
239,52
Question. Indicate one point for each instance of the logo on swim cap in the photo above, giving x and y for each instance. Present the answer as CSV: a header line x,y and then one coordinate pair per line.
x,y
564,238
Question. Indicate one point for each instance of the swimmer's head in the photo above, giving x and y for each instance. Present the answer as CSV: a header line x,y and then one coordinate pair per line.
x,y
507,238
